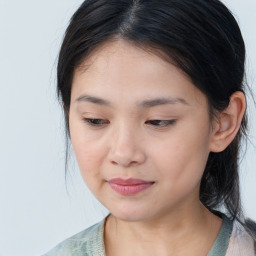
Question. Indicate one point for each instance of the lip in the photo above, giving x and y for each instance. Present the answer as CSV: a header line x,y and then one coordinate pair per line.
x,y
130,181
129,186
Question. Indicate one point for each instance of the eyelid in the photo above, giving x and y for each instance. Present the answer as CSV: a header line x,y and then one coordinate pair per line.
x,y
98,122
95,121
166,122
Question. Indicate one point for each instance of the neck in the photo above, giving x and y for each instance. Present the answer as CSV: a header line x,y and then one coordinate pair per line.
x,y
166,233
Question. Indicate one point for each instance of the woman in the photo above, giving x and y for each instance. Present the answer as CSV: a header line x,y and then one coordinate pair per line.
x,y
154,100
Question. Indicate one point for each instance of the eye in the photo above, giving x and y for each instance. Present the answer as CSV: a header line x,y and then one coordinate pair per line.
x,y
161,123
95,121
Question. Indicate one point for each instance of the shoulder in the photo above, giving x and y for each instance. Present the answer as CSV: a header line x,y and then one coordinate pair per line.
x,y
86,242
252,226
242,241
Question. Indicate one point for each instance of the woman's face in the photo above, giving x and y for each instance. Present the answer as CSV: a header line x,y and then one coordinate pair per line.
x,y
140,131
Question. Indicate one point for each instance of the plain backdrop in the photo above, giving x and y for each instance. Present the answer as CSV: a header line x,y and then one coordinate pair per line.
x,y
37,210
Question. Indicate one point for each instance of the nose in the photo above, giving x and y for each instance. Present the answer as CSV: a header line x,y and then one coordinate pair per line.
x,y
126,148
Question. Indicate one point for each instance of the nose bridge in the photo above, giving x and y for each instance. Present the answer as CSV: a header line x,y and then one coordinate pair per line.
x,y
125,148
124,138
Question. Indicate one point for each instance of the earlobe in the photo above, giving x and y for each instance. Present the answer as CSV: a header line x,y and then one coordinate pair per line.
x,y
228,123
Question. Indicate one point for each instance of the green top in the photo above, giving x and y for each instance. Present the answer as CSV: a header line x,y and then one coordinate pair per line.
x,y
220,245
90,242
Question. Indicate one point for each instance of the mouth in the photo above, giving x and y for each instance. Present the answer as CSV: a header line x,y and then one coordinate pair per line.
x,y
129,186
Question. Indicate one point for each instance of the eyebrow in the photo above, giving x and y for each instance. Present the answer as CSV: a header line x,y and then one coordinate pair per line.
x,y
91,99
162,101
144,104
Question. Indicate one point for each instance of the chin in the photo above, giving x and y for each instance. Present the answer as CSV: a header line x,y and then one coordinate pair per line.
x,y
131,214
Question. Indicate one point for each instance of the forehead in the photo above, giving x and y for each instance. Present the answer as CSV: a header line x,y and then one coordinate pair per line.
x,y
124,53
122,66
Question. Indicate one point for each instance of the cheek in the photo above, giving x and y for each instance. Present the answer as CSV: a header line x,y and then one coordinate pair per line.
x,y
88,152
88,156
182,159
89,160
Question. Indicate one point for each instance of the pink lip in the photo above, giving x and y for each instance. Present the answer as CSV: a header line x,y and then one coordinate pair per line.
x,y
129,186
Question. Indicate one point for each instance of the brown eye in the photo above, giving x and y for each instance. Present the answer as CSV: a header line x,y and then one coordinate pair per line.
x,y
161,123
95,122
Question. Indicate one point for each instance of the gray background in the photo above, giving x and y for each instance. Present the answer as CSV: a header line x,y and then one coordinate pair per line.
x,y
36,211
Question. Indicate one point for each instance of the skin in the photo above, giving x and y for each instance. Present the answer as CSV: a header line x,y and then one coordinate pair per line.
x,y
127,144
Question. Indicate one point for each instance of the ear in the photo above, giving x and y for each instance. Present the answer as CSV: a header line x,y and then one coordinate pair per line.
x,y
228,123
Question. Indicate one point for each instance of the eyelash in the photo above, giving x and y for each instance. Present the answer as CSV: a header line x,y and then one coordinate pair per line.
x,y
95,121
166,122
100,122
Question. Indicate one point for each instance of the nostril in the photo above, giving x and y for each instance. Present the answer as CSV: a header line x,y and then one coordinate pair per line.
x,y
133,162
113,162
124,163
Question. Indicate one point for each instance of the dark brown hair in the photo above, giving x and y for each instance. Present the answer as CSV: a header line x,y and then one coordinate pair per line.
x,y
201,37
